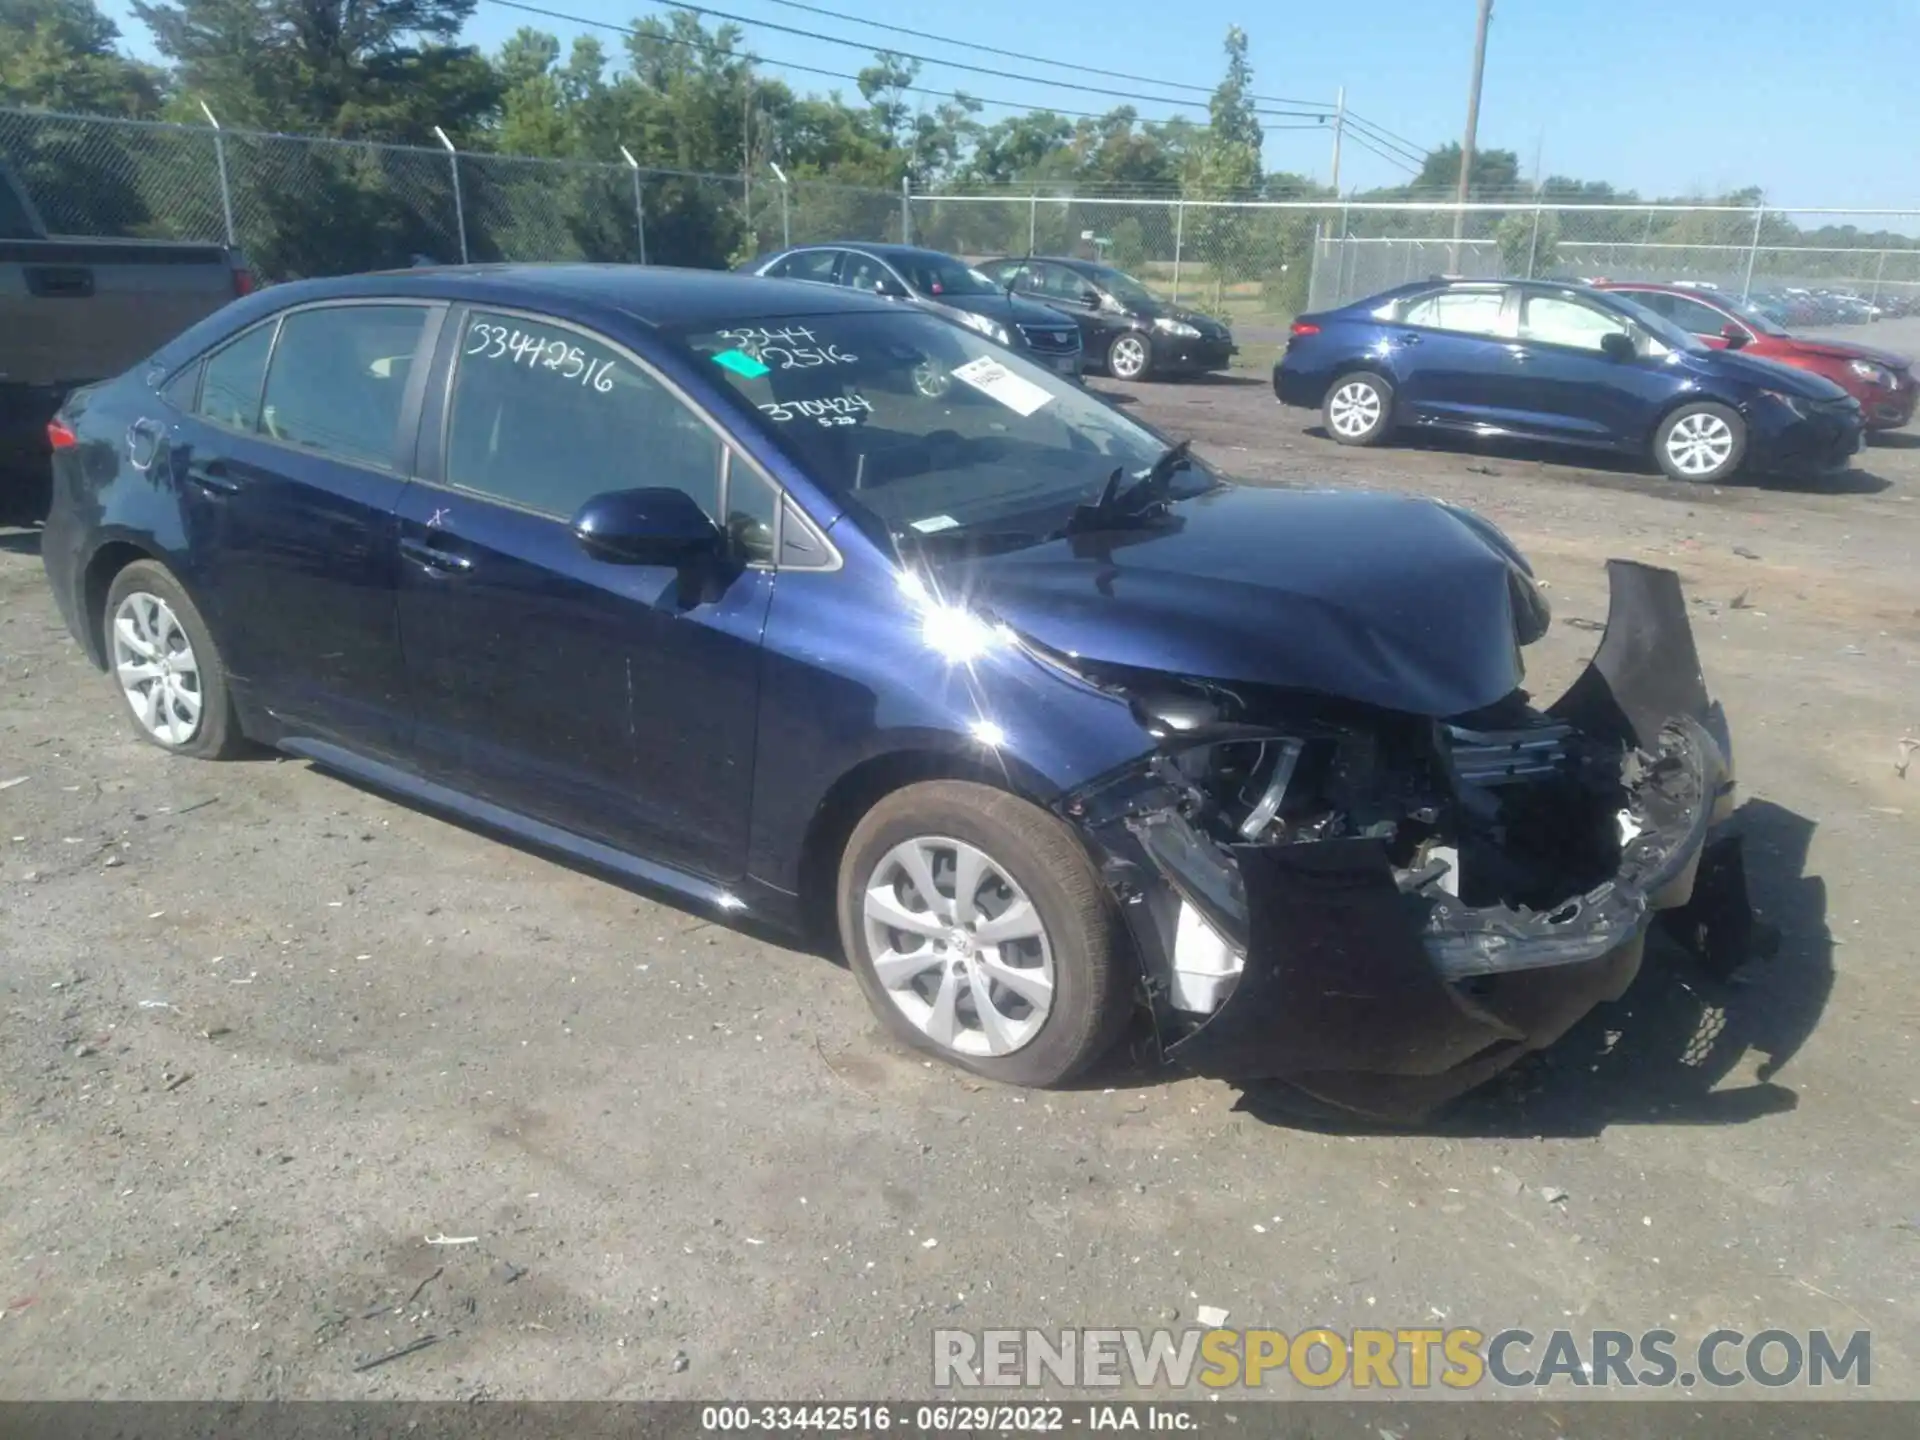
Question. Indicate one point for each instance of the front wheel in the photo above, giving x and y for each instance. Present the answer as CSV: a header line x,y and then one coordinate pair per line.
x,y
980,932
1130,356
1700,444
1359,409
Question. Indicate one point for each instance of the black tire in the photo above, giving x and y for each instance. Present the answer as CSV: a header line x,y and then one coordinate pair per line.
x,y
216,732
1093,971
1711,416
1122,363
1363,394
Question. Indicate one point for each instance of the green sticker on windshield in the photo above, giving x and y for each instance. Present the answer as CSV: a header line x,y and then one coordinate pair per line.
x,y
741,363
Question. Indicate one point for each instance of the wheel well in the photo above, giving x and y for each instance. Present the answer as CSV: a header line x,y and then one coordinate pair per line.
x,y
108,561
850,798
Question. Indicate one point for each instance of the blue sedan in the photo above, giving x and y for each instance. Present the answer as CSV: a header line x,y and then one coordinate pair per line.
x,y
1564,364
805,607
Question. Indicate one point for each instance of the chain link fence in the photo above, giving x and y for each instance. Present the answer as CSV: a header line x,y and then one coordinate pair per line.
x,y
304,206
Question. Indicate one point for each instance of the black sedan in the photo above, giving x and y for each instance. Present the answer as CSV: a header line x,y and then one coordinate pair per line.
x,y
1125,327
940,282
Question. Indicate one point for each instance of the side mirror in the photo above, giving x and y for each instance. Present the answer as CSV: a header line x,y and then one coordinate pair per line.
x,y
647,527
889,289
1734,335
1616,345
1091,298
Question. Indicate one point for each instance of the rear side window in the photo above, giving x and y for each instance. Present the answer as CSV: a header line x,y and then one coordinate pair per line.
x,y
230,393
808,265
339,380
546,417
1470,312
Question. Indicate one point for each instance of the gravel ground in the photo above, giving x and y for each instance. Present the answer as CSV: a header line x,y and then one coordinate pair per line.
x,y
265,1038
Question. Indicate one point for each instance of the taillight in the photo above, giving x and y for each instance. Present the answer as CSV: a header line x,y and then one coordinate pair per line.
x,y
1302,327
60,435
242,280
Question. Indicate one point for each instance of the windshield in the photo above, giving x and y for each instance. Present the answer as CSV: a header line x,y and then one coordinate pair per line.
x,y
1658,326
1751,315
1127,290
922,427
941,275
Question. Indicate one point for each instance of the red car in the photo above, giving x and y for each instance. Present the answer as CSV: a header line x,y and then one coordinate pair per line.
x,y
1881,381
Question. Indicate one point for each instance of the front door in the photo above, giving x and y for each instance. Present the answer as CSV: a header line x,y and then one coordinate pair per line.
x,y
615,701
1567,384
290,463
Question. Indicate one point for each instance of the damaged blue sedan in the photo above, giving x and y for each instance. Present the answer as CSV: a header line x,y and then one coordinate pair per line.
x,y
807,608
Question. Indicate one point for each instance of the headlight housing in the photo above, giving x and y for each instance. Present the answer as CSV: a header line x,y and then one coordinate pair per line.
x,y
1871,373
992,329
1793,402
1167,325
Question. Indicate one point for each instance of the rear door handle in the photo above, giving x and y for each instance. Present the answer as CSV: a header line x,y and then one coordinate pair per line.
x,y
436,559
1406,339
212,477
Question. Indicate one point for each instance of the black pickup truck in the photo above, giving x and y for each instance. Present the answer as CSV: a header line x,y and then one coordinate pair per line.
x,y
74,310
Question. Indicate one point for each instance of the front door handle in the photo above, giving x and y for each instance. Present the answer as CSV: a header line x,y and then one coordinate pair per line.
x,y
1406,339
212,477
435,559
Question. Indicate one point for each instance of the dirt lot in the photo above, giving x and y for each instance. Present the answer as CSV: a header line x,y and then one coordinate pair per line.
x,y
264,1038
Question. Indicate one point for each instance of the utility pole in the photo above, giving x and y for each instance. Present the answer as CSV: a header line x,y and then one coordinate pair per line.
x,y
1473,122
1339,125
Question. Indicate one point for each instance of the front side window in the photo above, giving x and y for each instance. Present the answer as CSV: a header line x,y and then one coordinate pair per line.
x,y
921,427
339,379
1692,316
1124,288
1059,283
1557,320
546,417
863,272
234,375
941,276
1467,312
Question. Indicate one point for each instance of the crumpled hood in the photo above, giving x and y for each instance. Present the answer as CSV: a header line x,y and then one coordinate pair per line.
x,y
1847,350
1772,374
1392,601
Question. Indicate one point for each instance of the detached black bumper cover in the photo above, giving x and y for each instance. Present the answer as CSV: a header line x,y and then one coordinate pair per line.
x,y
1391,1004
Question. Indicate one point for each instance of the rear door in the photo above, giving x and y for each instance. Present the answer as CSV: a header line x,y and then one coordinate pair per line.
x,y
290,460
1451,355
614,701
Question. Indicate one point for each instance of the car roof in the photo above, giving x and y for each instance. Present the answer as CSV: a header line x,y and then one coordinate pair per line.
x,y
1661,286
655,295
1072,262
884,251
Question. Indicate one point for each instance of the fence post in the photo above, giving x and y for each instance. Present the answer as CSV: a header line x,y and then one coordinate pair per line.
x,y
1179,229
906,211
1879,269
639,208
220,160
1753,250
1033,221
1533,245
459,206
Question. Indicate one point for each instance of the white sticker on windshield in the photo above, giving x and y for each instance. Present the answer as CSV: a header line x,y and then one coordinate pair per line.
x,y
996,382
934,523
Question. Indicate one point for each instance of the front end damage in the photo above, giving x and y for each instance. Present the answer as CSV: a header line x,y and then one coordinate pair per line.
x,y
1387,910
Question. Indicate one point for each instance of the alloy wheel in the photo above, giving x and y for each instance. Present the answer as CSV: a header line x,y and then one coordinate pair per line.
x,y
1699,444
1128,358
1354,409
958,946
155,664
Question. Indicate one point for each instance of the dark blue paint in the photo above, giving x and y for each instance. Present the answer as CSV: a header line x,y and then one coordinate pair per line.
x,y
1562,393
696,722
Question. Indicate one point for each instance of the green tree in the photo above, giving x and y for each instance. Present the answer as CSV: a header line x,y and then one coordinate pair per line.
x,y
63,55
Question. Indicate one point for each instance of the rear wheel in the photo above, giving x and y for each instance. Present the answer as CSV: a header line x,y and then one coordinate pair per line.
x,y
1359,409
166,666
1700,444
979,931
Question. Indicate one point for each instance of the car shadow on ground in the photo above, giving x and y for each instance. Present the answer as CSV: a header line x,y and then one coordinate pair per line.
x,y
1610,469
1895,440
1679,1048
19,542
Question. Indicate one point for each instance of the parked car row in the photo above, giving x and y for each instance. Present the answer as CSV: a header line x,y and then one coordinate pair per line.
x,y
1610,368
1067,313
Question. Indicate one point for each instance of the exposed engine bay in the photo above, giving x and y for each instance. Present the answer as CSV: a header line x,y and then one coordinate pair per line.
x,y
1315,853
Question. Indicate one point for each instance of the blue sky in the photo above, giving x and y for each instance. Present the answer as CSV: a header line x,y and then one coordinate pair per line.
x,y
1813,102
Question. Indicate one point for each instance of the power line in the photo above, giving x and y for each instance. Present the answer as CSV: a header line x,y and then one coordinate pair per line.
x,y
1410,152
1386,134
865,47
1365,144
1016,55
